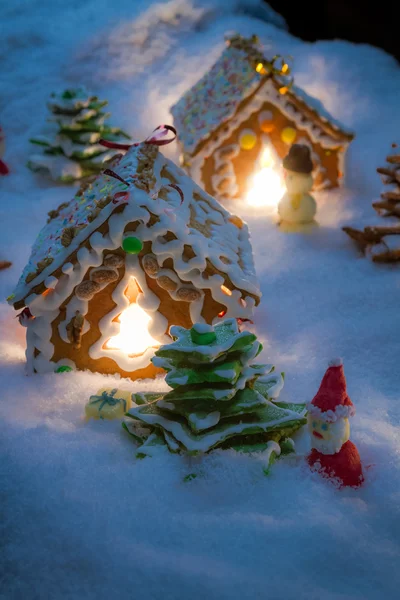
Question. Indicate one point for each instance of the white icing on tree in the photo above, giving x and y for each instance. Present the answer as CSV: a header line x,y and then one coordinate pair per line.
x,y
69,144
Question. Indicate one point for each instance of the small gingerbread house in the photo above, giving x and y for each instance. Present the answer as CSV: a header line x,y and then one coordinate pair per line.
x,y
243,115
140,249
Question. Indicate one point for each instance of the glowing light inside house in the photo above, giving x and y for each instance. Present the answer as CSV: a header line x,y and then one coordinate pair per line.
x,y
226,290
267,186
133,337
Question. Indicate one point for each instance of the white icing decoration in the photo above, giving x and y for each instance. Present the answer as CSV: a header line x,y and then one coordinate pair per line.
x,y
201,423
165,404
229,175
225,373
176,380
265,115
212,438
335,362
109,328
224,239
272,447
67,268
51,282
203,328
276,388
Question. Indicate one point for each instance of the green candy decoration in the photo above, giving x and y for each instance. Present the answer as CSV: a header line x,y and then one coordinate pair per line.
x,y
203,338
132,245
64,369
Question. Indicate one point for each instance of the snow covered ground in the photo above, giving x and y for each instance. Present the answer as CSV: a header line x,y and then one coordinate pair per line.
x,y
81,518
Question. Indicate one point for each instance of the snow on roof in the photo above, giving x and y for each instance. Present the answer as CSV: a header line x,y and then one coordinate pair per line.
x,y
199,222
214,99
316,105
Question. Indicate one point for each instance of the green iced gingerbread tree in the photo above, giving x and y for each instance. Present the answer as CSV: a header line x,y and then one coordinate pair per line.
x,y
70,145
219,396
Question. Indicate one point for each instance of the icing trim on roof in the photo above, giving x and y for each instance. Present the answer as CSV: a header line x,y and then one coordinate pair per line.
x,y
207,108
199,222
268,92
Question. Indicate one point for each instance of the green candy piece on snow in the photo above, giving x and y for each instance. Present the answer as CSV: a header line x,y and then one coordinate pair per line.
x,y
63,369
132,245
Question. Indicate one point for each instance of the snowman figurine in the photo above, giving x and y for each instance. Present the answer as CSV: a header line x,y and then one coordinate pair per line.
x,y
3,167
333,454
297,207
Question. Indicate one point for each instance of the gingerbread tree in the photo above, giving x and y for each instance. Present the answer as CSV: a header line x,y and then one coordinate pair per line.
x,y
219,396
71,149
383,242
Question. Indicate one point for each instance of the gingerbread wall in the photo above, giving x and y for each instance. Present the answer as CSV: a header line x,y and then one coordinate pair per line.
x,y
176,313
245,160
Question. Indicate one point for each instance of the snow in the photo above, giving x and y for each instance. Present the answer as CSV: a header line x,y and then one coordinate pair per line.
x,y
81,518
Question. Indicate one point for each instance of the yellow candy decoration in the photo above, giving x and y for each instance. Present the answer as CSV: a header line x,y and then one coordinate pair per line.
x,y
108,403
288,135
248,140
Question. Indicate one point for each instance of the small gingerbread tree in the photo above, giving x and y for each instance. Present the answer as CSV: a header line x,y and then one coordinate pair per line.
x,y
383,242
219,397
70,147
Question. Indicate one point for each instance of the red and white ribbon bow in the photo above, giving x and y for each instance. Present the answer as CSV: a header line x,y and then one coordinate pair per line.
x,y
157,137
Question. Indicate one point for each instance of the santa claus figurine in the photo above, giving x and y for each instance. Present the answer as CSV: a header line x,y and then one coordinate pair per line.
x,y
3,167
333,454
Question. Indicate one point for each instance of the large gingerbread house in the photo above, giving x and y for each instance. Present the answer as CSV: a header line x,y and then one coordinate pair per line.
x,y
244,105
140,249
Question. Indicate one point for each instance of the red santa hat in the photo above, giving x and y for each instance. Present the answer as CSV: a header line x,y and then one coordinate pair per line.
x,y
331,402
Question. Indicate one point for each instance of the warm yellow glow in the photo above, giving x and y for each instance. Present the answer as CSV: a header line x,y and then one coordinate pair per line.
x,y
226,290
285,67
260,68
267,186
134,337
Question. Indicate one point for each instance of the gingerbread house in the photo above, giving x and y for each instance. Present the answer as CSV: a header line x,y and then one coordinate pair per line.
x,y
141,248
242,116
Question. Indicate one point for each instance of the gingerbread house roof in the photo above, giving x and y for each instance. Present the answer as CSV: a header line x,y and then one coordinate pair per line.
x,y
228,86
140,189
